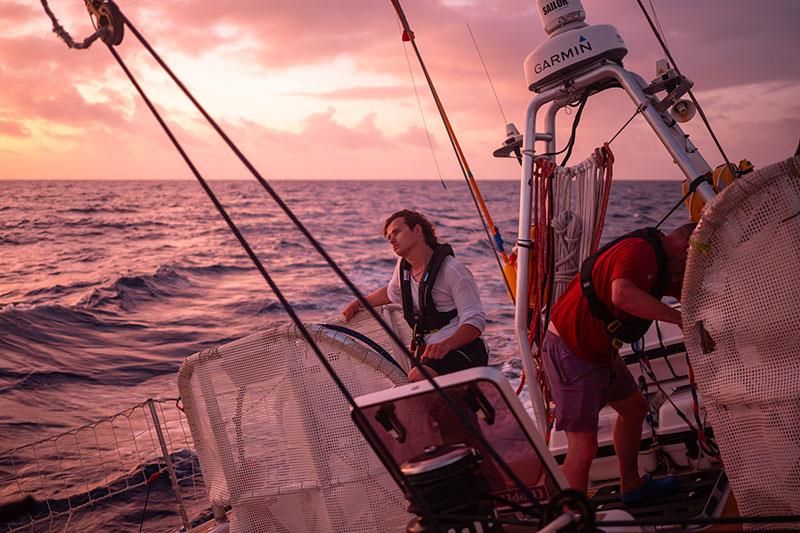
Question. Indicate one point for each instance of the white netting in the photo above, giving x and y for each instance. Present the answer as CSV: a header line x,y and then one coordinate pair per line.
x,y
274,434
741,285
576,215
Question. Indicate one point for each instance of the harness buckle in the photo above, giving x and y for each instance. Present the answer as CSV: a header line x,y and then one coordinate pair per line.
x,y
616,343
611,327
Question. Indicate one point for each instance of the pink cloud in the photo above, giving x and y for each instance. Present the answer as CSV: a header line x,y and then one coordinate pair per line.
x,y
322,128
13,129
362,93
418,137
715,43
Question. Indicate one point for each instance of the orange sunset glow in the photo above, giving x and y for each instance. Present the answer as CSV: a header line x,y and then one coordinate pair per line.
x,y
322,89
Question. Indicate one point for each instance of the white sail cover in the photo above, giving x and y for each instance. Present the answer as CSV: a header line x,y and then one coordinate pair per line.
x,y
742,286
274,436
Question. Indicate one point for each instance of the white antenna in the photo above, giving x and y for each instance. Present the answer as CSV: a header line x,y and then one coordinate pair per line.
x,y
487,73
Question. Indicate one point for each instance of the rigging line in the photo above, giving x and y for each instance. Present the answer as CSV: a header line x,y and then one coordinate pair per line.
x,y
486,218
422,114
691,94
487,74
638,109
340,273
287,306
692,187
658,22
59,30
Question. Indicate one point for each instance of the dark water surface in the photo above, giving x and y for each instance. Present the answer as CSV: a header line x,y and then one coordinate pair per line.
x,y
107,286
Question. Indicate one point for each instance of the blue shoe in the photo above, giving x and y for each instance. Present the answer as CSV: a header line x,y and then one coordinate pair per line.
x,y
651,488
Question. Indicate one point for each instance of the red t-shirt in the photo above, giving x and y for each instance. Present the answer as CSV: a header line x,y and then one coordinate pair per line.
x,y
632,259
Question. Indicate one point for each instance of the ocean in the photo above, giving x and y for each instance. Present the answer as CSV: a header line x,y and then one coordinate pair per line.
x,y
107,286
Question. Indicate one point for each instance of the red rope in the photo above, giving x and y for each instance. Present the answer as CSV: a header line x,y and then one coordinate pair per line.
x,y
605,157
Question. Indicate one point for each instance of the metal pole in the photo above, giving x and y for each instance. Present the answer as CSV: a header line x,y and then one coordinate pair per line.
x,y
187,525
523,263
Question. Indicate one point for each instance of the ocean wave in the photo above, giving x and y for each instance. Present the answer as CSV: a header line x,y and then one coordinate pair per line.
x,y
95,209
58,289
215,269
91,223
39,379
8,241
128,291
46,330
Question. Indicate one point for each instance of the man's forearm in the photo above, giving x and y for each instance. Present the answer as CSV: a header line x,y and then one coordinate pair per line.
x,y
379,297
462,336
630,298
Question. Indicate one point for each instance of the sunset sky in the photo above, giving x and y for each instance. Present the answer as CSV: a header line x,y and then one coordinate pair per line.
x,y
321,88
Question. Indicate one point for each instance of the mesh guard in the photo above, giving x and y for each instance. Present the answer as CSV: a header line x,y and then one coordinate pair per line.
x,y
274,436
741,286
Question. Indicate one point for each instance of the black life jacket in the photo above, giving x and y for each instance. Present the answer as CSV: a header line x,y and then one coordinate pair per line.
x,y
630,330
428,318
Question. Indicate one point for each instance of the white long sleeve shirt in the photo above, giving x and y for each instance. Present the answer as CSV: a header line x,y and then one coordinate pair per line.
x,y
454,288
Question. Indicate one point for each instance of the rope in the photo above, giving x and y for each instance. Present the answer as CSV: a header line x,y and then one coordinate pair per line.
x,y
567,230
486,70
606,156
422,115
638,110
149,483
577,231
708,447
692,187
59,30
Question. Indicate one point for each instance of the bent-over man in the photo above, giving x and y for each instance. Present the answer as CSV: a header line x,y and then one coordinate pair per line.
x,y
614,299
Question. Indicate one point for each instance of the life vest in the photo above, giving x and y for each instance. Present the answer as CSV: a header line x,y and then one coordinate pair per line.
x,y
427,319
630,330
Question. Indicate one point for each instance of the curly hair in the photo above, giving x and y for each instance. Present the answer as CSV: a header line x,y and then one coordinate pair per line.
x,y
414,218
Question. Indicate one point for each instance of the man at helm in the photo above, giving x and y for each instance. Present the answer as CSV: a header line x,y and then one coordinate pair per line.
x,y
439,297
614,299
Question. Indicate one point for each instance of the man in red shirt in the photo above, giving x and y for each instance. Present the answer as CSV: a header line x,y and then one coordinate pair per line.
x,y
580,350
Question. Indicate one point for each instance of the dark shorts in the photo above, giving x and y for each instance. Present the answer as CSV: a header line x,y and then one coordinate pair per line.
x,y
580,389
468,356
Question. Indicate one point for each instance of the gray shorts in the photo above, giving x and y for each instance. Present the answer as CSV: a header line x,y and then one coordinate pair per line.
x,y
580,389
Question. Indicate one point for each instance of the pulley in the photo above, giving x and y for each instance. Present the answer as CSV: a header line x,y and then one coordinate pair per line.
x,y
575,502
106,15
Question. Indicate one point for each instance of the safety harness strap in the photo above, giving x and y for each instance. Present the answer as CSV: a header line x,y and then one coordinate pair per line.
x,y
631,330
427,318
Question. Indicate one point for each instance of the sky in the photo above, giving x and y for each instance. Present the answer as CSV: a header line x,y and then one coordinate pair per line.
x,y
321,89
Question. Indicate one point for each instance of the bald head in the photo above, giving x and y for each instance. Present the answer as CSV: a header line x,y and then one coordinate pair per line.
x,y
682,233
676,244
